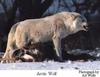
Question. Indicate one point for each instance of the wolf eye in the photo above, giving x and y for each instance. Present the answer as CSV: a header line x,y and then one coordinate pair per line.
x,y
83,20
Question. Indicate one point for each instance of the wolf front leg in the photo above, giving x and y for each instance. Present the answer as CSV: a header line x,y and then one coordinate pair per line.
x,y
57,45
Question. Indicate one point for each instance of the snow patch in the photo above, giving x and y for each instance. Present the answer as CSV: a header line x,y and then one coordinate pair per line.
x,y
51,65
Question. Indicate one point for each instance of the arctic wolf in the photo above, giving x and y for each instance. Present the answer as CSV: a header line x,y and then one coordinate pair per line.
x,y
51,28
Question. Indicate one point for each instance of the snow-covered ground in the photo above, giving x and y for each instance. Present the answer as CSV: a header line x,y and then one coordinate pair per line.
x,y
51,65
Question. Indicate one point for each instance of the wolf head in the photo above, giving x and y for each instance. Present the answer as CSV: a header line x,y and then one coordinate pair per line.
x,y
75,22
80,23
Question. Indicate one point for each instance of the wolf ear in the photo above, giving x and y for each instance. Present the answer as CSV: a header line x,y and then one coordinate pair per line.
x,y
73,16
